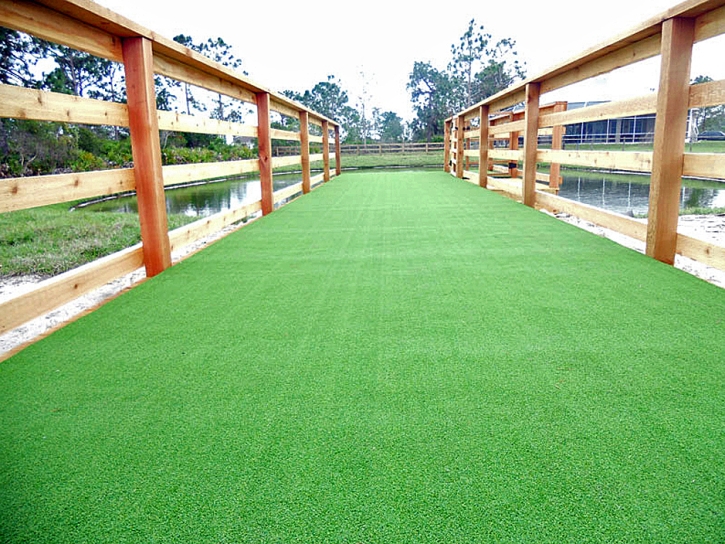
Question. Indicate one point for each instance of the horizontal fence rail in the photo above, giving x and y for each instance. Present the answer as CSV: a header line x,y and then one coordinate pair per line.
x,y
499,135
91,28
373,148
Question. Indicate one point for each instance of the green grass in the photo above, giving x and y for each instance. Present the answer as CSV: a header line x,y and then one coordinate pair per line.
x,y
50,240
410,160
397,357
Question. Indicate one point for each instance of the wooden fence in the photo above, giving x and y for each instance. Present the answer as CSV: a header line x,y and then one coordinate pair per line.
x,y
671,36
88,27
374,148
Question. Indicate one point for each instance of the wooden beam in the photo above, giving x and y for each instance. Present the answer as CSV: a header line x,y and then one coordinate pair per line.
x,y
557,143
635,161
33,191
338,152
188,234
447,146
176,174
460,124
265,153
669,141
20,103
146,149
54,292
326,149
531,143
55,27
483,146
181,122
305,151
287,192
641,105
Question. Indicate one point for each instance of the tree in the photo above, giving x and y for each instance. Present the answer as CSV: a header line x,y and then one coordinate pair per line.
x,y
192,103
431,92
478,68
390,127
18,54
329,99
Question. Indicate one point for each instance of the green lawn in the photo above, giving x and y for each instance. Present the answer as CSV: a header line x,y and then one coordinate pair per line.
x,y
396,357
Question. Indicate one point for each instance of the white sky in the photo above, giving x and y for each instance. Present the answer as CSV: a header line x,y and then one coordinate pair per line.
x,y
371,46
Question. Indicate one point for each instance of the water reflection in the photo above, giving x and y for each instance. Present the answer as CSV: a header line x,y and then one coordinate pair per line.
x,y
632,196
204,199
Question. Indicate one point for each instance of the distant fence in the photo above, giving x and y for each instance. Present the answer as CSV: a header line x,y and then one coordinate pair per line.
x,y
671,36
88,27
374,148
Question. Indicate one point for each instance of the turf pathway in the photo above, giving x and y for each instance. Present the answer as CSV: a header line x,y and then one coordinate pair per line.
x,y
398,358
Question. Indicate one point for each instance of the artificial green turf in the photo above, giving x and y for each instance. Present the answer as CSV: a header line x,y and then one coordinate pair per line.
x,y
397,357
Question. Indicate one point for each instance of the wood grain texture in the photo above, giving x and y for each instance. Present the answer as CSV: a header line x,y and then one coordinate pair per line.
x,y
21,103
33,191
146,149
265,153
669,141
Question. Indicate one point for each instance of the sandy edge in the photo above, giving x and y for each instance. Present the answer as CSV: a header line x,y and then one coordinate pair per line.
x,y
705,227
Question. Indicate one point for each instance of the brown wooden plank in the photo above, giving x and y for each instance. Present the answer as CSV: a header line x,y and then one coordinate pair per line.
x,y
279,162
187,173
265,153
182,72
507,128
54,292
513,155
188,234
707,94
326,150
669,142
447,146
181,122
146,149
277,134
701,251
55,27
315,139
338,152
287,192
704,165
557,143
620,223
30,192
531,143
305,151
624,108
21,103
460,134
608,160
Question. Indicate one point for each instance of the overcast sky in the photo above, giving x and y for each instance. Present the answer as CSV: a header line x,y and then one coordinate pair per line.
x,y
371,46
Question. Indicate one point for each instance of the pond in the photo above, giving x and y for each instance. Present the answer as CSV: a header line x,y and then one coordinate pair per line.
x,y
200,199
615,192
630,193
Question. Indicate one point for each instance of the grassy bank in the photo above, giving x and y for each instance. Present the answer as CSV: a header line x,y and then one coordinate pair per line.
x,y
50,240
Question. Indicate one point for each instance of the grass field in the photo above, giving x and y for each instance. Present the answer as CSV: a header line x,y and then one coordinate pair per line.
x,y
397,357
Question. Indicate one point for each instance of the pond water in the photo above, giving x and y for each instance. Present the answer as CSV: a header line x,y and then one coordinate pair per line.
x,y
625,194
619,193
202,199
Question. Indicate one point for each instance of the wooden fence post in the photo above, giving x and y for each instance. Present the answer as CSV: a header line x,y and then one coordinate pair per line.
x,y
338,151
483,147
326,149
146,149
305,151
531,142
265,153
460,136
669,143
557,143
446,146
